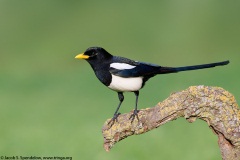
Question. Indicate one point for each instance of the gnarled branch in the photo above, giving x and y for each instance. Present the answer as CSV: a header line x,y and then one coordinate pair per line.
x,y
214,105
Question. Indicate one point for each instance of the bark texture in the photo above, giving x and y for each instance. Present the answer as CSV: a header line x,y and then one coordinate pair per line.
x,y
214,105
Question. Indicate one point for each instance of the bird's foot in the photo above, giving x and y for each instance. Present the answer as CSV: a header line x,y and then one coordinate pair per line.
x,y
114,119
135,114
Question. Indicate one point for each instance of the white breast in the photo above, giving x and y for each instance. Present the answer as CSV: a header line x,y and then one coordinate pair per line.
x,y
126,84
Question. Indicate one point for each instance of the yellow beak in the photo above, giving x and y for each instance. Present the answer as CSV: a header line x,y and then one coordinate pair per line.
x,y
82,56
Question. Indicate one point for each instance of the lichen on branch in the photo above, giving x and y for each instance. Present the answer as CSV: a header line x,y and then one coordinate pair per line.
x,y
214,105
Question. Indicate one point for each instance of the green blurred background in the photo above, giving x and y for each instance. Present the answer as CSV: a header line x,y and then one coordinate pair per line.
x,y
52,104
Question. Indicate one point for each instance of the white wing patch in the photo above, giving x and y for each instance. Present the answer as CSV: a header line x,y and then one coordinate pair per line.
x,y
121,84
121,66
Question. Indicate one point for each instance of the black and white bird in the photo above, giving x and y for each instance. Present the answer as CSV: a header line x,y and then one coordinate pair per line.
x,y
125,75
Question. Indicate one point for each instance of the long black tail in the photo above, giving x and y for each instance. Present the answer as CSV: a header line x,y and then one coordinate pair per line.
x,y
165,70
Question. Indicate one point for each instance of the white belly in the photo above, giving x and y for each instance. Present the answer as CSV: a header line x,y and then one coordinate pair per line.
x,y
126,84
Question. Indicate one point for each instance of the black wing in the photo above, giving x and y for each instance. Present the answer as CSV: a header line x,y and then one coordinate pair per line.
x,y
139,69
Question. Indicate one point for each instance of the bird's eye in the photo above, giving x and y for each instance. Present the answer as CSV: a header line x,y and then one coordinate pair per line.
x,y
94,54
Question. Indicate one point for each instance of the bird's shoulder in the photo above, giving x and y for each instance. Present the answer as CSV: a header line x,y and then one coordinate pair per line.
x,y
122,60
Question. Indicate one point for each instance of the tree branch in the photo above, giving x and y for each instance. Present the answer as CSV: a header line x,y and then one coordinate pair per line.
x,y
214,105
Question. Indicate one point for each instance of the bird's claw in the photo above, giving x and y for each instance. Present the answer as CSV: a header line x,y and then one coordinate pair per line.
x,y
114,119
135,114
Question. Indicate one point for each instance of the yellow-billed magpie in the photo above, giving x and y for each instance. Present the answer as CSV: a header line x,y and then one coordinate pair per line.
x,y
125,75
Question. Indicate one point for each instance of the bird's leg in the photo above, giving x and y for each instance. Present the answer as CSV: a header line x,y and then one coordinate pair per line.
x,y
116,114
135,112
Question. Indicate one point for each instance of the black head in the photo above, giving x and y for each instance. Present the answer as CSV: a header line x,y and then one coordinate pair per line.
x,y
94,54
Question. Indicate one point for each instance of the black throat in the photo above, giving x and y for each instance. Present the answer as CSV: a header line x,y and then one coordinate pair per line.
x,y
101,70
